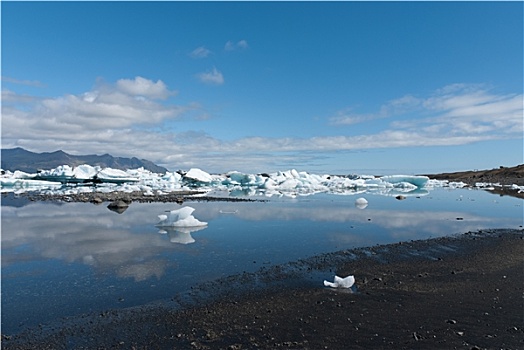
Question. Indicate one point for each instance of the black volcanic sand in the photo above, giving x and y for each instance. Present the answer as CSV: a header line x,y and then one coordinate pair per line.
x,y
129,197
501,175
505,176
460,292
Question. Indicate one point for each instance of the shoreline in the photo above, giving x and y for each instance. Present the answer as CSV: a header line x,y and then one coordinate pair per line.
x,y
186,196
460,291
500,179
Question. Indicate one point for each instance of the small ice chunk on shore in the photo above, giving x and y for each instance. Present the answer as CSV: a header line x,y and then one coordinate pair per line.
x,y
339,282
180,218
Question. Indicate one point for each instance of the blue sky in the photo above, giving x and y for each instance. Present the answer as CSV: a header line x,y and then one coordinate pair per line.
x,y
337,87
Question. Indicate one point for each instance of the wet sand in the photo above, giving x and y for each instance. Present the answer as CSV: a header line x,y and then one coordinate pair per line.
x,y
462,292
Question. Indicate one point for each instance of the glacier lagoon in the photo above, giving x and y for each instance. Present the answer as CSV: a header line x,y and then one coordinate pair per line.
x,y
68,259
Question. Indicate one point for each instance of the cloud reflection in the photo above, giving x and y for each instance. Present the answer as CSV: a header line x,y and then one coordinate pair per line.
x,y
130,246
80,233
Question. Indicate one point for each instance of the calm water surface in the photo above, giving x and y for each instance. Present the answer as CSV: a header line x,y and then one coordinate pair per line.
x,y
67,259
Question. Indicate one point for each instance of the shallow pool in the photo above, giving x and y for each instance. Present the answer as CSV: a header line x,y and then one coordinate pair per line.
x,y
72,258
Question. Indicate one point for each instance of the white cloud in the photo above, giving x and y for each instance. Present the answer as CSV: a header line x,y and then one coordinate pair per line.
x,y
229,46
213,77
239,45
242,44
126,119
144,87
9,96
459,110
103,117
347,117
469,110
33,83
200,52
394,107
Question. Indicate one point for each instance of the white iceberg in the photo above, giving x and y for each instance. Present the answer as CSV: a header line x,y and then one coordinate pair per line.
x,y
180,218
361,203
416,180
339,282
86,171
115,176
289,183
198,175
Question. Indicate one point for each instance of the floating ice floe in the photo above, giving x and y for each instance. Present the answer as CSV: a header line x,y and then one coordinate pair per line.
x,y
520,189
339,282
406,180
361,203
290,183
180,218
198,175
85,173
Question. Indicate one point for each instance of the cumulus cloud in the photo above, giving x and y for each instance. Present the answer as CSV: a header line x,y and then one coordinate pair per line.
x,y
94,118
127,118
242,44
200,52
144,87
213,77
239,45
12,97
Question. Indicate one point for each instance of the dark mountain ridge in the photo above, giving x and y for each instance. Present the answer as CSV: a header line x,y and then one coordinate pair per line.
x,y
30,162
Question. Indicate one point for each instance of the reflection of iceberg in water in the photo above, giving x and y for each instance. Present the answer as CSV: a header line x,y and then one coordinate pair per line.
x,y
180,218
181,235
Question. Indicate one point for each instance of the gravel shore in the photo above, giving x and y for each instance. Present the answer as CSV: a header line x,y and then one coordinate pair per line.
x,y
460,292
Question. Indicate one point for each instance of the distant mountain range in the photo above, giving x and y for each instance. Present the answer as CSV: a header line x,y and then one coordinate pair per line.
x,y
30,162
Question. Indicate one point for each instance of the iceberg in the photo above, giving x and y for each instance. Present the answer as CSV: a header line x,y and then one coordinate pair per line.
x,y
115,176
416,180
289,183
198,175
180,218
67,174
361,203
339,282
20,182
84,174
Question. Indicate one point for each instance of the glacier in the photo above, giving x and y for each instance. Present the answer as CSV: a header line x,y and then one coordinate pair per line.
x,y
66,180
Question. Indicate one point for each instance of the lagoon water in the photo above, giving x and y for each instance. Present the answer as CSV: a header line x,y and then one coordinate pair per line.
x,y
68,259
